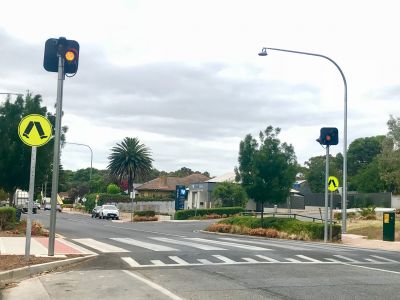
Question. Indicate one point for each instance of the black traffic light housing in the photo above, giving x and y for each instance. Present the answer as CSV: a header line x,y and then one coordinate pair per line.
x,y
328,136
69,49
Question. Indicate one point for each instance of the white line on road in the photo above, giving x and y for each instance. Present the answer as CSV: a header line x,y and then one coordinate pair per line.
x,y
385,259
178,260
269,259
149,246
157,262
147,231
309,258
205,261
334,260
130,261
236,245
267,243
154,286
225,259
250,260
369,268
186,243
293,260
99,246
347,258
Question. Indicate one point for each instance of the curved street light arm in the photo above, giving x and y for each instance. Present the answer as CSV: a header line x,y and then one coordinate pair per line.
x,y
91,156
344,202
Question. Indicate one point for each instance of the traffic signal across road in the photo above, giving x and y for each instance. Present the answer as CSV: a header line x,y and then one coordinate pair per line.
x,y
68,49
328,136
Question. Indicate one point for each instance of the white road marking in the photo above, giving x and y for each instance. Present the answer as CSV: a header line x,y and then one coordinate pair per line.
x,y
250,260
157,262
334,260
154,286
385,259
225,259
130,261
373,260
149,246
179,260
269,259
236,245
186,243
99,246
347,258
147,231
293,260
309,258
268,243
369,268
205,261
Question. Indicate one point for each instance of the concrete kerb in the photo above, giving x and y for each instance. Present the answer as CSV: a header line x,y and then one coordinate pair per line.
x,y
30,271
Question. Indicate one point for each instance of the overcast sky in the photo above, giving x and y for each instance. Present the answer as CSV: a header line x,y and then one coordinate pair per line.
x,y
185,78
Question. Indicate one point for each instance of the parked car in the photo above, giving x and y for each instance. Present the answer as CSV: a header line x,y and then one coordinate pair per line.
x,y
96,211
47,206
109,211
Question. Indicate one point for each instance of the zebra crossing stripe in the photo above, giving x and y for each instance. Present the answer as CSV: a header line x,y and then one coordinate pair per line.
x,y
309,258
205,261
149,246
385,259
157,262
186,243
333,260
373,260
99,246
236,245
347,258
225,259
269,259
178,260
293,260
267,243
130,261
250,260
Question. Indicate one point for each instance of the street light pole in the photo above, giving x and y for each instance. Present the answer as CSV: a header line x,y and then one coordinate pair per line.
x,y
344,198
91,160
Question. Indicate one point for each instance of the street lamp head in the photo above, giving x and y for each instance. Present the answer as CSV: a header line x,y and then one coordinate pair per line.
x,y
263,52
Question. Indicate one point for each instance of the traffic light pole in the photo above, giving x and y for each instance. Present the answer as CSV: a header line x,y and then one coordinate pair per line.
x,y
56,157
326,194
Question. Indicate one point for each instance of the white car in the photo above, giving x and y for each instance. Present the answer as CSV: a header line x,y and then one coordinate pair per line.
x,y
109,211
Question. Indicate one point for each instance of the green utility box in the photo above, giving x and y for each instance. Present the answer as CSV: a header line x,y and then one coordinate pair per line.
x,y
388,226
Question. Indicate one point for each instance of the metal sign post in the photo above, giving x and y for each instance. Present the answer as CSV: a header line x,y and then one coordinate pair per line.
x,y
326,194
56,157
30,203
35,131
331,217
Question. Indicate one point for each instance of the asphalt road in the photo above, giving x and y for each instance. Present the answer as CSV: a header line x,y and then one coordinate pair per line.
x,y
174,260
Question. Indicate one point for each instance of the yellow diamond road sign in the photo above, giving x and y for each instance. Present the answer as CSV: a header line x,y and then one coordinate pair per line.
x,y
34,130
333,183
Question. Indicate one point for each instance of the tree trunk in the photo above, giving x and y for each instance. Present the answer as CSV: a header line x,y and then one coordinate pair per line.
x,y
10,199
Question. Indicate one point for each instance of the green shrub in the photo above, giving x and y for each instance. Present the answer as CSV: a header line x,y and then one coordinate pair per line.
x,y
113,189
7,217
188,213
145,213
368,212
312,230
350,215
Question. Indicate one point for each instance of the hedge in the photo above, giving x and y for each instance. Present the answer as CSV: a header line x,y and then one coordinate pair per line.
x,y
313,230
145,213
188,213
7,217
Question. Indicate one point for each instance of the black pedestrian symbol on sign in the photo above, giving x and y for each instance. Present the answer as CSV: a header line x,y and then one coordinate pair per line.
x,y
39,128
332,182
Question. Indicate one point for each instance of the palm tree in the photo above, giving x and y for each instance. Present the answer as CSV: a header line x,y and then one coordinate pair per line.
x,y
130,159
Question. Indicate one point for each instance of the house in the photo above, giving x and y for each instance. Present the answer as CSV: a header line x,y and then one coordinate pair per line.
x,y
200,193
164,186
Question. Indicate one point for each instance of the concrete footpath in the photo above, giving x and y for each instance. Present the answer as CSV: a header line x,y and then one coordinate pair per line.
x,y
39,246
